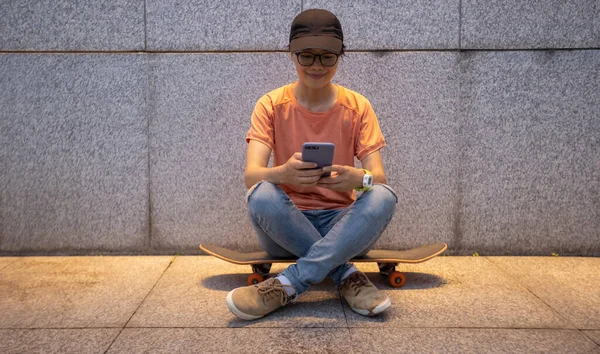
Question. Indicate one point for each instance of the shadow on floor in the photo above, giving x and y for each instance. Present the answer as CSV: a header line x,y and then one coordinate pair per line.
x,y
414,281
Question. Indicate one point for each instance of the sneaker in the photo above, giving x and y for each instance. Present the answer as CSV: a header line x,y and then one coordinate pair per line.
x,y
255,301
362,296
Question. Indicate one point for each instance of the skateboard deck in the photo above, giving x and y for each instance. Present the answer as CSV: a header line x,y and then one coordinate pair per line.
x,y
387,260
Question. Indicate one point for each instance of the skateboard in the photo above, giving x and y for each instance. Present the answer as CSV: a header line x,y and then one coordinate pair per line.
x,y
387,260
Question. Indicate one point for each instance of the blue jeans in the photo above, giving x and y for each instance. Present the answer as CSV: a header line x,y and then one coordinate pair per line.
x,y
323,240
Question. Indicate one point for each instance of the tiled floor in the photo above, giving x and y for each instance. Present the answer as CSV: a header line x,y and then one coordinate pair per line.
x,y
167,304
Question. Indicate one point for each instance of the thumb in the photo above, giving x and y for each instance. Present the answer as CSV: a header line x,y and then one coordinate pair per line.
x,y
335,168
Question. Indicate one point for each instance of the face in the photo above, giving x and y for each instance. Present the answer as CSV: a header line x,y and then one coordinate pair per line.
x,y
314,76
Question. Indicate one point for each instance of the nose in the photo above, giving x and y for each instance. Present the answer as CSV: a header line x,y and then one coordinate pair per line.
x,y
317,63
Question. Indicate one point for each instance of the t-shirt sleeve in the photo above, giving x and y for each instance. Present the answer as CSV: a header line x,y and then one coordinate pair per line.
x,y
261,128
370,138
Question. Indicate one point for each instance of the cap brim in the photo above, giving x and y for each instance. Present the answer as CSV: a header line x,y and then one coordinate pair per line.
x,y
331,44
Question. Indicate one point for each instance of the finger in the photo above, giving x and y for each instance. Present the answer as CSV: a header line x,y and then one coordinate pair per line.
x,y
305,165
332,186
309,177
301,165
308,180
311,172
333,168
333,175
327,180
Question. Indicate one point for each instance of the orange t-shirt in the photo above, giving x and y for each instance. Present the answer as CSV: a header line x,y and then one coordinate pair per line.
x,y
282,124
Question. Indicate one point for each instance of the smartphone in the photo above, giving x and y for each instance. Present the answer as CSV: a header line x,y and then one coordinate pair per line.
x,y
321,153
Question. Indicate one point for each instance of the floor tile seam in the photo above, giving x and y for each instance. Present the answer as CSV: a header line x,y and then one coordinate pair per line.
x,y
583,332
10,264
339,293
547,329
518,280
151,290
140,304
56,328
514,278
254,327
112,342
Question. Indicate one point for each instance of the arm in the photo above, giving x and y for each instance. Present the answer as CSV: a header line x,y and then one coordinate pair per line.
x,y
374,164
346,178
257,158
294,171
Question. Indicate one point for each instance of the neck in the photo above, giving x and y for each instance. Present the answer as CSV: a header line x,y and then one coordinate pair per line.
x,y
315,96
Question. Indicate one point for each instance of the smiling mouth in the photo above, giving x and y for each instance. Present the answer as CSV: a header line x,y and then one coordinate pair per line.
x,y
316,76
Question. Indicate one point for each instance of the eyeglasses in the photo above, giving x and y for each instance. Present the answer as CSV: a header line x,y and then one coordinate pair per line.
x,y
307,58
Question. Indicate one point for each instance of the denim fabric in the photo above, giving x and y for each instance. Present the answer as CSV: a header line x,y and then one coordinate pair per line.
x,y
324,240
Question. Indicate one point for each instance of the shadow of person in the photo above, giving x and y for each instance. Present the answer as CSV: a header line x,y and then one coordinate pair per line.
x,y
224,282
414,281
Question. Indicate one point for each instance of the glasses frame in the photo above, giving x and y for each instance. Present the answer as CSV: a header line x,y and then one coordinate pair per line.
x,y
337,57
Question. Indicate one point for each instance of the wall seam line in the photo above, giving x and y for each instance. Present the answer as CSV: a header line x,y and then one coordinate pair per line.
x,y
149,110
145,27
460,112
441,50
459,24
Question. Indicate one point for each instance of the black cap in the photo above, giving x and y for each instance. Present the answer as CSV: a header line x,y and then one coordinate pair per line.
x,y
316,28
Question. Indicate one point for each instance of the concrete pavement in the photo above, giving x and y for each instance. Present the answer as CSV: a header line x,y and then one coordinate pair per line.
x,y
176,304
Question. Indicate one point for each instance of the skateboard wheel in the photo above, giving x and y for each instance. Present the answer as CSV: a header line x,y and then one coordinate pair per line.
x,y
255,278
397,279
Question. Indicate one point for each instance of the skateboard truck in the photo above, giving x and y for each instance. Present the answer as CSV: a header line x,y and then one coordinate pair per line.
x,y
259,273
395,278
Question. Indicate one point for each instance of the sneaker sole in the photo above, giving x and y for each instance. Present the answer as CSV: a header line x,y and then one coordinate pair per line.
x,y
377,310
236,311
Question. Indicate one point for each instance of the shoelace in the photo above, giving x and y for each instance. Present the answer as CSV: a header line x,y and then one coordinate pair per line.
x,y
357,280
272,290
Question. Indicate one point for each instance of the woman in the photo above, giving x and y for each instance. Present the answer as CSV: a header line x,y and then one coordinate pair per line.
x,y
294,210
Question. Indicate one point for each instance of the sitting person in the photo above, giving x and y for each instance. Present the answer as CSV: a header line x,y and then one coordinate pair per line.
x,y
293,208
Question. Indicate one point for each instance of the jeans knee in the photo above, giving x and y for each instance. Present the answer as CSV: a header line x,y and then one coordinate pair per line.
x,y
385,197
261,197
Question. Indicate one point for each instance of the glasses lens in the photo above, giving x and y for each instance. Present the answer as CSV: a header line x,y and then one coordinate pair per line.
x,y
328,59
306,58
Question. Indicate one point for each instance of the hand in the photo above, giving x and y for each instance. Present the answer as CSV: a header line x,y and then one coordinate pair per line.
x,y
297,172
342,179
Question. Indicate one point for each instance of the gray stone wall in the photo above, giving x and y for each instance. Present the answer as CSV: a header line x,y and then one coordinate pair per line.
x,y
122,122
